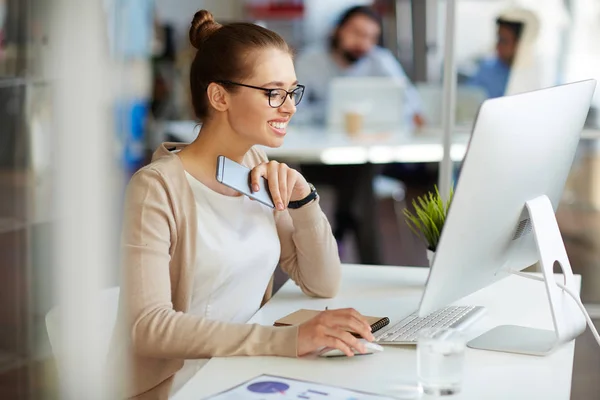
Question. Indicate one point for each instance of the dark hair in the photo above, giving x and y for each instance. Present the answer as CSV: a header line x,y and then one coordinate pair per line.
x,y
348,15
224,53
515,27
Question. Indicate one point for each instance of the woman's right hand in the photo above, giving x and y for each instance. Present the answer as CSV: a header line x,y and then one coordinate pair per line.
x,y
330,329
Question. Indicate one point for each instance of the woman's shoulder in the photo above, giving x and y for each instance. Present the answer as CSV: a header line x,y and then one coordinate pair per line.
x,y
255,156
167,171
164,173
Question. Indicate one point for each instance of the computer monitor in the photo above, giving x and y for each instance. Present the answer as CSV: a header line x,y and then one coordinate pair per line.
x,y
379,99
502,214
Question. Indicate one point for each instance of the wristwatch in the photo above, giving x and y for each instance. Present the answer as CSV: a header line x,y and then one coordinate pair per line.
x,y
299,203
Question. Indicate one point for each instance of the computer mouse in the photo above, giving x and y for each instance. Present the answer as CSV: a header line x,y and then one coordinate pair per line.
x,y
371,348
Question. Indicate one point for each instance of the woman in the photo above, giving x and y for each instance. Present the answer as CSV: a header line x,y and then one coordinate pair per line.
x,y
198,256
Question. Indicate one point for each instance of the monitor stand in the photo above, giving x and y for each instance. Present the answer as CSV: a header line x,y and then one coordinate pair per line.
x,y
568,320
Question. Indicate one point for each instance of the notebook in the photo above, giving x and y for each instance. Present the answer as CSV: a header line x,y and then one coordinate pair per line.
x,y
303,315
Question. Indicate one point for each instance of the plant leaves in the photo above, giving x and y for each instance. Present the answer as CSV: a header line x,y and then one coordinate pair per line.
x,y
429,216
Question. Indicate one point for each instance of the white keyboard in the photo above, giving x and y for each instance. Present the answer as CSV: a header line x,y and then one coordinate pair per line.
x,y
407,330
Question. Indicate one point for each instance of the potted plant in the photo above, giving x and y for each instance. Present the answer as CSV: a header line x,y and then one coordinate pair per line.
x,y
428,219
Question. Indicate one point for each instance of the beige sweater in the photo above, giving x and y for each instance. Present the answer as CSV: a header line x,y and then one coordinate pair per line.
x,y
154,334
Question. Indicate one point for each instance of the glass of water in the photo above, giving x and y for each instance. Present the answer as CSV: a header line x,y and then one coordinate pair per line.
x,y
440,361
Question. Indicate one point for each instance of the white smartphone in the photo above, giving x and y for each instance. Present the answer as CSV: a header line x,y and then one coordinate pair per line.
x,y
237,177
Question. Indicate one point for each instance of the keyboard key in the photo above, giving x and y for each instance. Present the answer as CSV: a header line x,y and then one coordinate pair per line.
x,y
406,331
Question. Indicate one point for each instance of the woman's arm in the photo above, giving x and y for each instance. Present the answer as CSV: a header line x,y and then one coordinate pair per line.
x,y
309,253
155,328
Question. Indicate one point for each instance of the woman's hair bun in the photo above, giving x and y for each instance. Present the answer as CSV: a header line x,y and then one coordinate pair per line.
x,y
203,25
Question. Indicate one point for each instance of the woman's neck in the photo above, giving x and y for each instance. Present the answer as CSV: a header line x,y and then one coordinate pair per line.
x,y
200,157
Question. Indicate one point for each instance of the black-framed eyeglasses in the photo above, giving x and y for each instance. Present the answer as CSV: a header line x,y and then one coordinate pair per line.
x,y
276,96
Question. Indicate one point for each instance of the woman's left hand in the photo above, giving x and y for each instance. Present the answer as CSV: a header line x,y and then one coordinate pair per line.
x,y
285,184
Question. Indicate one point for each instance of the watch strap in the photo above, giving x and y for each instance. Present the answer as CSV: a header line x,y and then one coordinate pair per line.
x,y
299,203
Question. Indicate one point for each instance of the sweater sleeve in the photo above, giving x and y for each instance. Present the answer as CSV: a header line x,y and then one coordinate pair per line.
x,y
155,328
309,252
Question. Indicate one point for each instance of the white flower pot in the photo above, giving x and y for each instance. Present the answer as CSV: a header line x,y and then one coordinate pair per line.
x,y
430,255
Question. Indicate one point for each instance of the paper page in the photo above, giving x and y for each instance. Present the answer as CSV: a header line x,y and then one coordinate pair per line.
x,y
273,387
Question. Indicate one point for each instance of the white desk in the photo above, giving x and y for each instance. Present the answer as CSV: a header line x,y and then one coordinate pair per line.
x,y
395,291
317,144
320,145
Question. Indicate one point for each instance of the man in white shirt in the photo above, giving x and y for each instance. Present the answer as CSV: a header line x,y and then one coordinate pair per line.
x,y
352,50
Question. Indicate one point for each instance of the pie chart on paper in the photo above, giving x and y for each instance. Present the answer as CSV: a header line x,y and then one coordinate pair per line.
x,y
268,387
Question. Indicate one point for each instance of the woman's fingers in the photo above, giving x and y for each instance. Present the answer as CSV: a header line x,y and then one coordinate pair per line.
x,y
349,320
331,329
348,341
336,343
292,178
255,175
273,179
282,181
282,172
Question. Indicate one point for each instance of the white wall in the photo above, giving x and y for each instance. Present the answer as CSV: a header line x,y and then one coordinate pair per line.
x,y
475,35
476,24
476,30
85,205
583,57
475,27
321,16
179,13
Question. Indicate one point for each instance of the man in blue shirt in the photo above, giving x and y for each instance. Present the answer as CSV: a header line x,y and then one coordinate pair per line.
x,y
494,72
351,51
